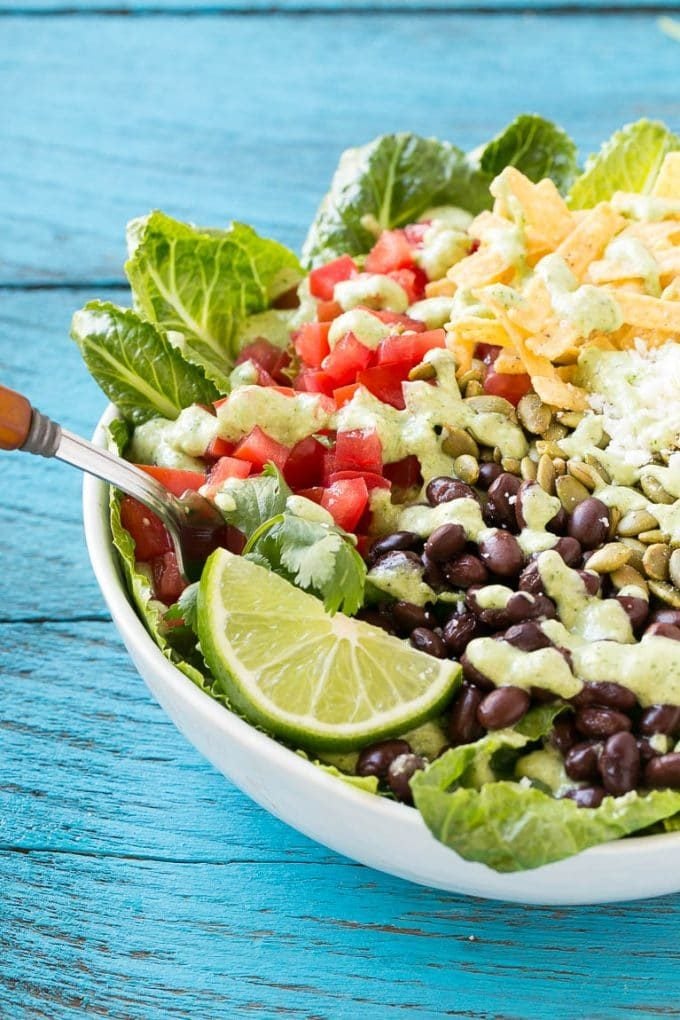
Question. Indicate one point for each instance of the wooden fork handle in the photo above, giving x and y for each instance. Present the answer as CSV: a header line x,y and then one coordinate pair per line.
x,y
16,415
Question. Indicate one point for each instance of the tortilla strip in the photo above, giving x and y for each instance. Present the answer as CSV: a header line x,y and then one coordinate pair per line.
x,y
589,238
648,312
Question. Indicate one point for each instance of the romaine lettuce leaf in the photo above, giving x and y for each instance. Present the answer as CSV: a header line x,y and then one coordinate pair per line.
x,y
203,284
393,179
535,146
510,826
135,364
629,161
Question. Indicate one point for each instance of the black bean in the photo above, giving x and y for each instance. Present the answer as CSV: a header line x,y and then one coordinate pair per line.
x,y
609,694
488,473
398,560
636,609
400,772
590,580
518,607
564,734
589,523
377,619
499,511
666,616
432,573
426,640
542,606
409,616
463,727
398,540
647,752
443,490
445,542
474,675
501,553
667,630
569,549
601,722
587,796
459,630
503,707
375,759
464,571
527,636
581,761
530,579
661,719
559,523
664,771
620,764
541,696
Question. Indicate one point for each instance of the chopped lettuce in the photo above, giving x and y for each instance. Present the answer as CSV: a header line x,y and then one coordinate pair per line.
x,y
536,146
629,161
470,804
202,285
135,365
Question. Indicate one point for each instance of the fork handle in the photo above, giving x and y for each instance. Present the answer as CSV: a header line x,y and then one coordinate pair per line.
x,y
16,416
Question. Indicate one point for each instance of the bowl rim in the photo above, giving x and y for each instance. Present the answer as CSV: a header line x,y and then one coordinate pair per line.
x,y
107,570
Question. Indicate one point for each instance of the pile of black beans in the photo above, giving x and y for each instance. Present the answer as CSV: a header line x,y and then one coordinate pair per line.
x,y
605,735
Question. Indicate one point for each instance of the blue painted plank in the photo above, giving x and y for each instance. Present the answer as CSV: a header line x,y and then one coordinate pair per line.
x,y
219,117
327,7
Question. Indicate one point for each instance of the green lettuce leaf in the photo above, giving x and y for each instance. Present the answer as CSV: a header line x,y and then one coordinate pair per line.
x,y
135,365
202,285
629,161
535,146
393,179
510,826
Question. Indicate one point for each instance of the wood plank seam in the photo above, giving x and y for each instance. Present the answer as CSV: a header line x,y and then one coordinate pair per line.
x,y
550,7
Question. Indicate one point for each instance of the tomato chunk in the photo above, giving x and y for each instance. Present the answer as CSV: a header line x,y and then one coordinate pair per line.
x,y
175,480
217,448
487,353
311,342
384,382
346,359
258,448
326,311
315,493
268,357
168,583
304,466
344,394
358,450
148,531
413,281
346,501
226,467
404,473
398,318
390,251
315,380
410,347
373,480
503,384
322,281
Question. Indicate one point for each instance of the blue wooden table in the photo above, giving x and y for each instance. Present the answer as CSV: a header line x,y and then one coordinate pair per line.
x,y
135,882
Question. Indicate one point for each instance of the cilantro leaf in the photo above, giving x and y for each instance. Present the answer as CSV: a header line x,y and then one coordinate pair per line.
x,y
255,500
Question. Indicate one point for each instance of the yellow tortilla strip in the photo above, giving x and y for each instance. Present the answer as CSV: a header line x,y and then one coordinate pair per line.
x,y
534,308
508,363
542,209
440,288
479,331
483,267
555,339
560,394
648,312
672,291
589,238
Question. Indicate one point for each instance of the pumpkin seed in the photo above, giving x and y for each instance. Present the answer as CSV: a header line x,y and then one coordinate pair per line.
x,y
651,537
422,371
628,576
636,521
560,465
457,442
545,474
491,404
555,432
654,490
511,464
583,473
534,415
674,567
570,492
466,468
637,551
609,557
473,389
546,446
599,469
668,593
497,455
655,561
614,518
528,469
570,418
472,375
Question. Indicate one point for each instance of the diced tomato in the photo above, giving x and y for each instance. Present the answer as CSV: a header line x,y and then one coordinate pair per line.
x,y
412,280
409,347
373,480
217,448
346,501
315,380
390,251
322,281
218,403
358,450
346,359
285,391
227,467
404,473
398,318
415,232
148,531
326,311
502,384
384,382
304,466
314,493
487,353
344,394
258,448
311,342
268,357
168,583
175,480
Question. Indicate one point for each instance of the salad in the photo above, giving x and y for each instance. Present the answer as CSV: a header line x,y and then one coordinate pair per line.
x,y
446,447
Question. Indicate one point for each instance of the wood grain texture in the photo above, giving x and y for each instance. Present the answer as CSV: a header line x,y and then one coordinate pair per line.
x,y
304,7
215,118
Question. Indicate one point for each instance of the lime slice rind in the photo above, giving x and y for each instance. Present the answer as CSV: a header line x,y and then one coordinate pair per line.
x,y
313,679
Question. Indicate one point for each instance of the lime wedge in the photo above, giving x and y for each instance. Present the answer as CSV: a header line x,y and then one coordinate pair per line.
x,y
314,679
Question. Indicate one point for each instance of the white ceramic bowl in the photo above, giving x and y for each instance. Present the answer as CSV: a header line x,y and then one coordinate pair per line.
x,y
375,831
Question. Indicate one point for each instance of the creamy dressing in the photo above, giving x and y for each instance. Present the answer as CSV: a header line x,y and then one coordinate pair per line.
x,y
372,290
633,261
403,583
434,312
585,307
153,443
285,419
443,246
584,615
645,207
367,328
